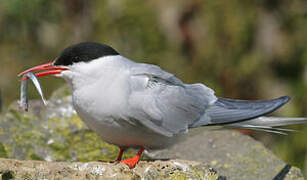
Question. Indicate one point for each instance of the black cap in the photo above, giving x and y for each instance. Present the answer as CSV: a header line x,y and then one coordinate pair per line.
x,y
83,52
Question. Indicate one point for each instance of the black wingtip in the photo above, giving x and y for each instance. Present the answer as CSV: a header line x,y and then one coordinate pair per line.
x,y
284,99
227,111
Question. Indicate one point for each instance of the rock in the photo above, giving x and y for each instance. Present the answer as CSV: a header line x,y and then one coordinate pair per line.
x,y
172,169
55,133
232,154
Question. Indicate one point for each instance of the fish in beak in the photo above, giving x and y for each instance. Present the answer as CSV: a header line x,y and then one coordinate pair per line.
x,y
23,103
47,69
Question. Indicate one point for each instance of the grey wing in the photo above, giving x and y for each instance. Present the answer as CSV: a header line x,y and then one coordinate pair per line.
x,y
161,102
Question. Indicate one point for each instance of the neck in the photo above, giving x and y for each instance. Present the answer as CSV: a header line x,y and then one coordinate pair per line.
x,y
90,72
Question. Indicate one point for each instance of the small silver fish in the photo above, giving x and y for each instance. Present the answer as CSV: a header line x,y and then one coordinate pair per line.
x,y
23,104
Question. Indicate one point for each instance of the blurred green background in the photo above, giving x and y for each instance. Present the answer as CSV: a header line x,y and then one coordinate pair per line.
x,y
246,49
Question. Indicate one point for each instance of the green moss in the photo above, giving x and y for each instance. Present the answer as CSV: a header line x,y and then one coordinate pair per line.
x,y
35,157
294,174
199,172
2,151
178,175
26,177
75,121
8,150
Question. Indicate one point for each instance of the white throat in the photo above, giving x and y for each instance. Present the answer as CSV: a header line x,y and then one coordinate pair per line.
x,y
99,69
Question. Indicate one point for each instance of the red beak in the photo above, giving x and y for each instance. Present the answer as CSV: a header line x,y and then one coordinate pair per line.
x,y
47,66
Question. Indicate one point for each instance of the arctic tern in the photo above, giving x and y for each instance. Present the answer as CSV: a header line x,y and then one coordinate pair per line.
x,y
141,106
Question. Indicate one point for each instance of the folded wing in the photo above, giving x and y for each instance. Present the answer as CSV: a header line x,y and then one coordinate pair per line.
x,y
161,102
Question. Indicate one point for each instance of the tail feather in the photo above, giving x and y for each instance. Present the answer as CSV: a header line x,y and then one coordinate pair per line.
x,y
276,130
228,111
270,124
269,129
274,121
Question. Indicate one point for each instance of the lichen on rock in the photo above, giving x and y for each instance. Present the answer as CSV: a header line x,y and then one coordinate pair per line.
x,y
171,169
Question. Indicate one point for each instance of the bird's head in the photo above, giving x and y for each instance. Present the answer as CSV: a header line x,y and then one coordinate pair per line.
x,y
70,57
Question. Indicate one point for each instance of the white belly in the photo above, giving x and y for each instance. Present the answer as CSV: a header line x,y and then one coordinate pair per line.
x,y
105,115
124,134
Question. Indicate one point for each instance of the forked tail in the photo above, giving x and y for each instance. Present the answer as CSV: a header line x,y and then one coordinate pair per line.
x,y
248,115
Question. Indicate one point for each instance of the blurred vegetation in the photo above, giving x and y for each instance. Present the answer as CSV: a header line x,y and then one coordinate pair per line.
x,y
247,49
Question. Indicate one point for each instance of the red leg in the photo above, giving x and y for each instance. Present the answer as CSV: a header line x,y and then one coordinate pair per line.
x,y
119,157
131,162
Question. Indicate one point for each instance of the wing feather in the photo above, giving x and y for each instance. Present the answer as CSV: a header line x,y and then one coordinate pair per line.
x,y
163,103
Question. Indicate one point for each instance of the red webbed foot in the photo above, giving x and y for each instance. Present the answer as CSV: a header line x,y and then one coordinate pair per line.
x,y
131,162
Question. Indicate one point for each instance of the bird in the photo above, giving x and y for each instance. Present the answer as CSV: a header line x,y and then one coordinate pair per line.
x,y
141,106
